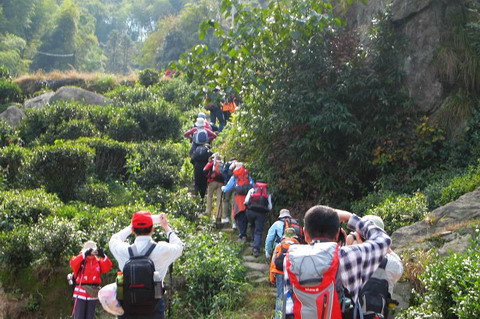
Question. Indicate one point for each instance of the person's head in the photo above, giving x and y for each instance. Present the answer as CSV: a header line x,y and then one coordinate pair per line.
x,y
377,220
142,223
201,115
200,122
90,245
284,213
321,222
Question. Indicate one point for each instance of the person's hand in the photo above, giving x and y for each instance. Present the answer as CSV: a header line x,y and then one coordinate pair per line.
x,y
164,222
343,215
101,253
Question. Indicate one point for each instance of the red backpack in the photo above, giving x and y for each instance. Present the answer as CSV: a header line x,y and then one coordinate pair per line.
x,y
216,169
259,198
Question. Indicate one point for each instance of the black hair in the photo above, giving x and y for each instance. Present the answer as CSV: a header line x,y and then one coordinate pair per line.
x,y
322,221
142,231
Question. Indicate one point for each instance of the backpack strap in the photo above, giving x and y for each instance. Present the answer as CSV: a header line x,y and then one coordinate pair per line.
x,y
383,264
132,250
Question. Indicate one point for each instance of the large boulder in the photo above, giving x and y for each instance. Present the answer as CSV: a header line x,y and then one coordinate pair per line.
x,y
38,101
13,115
446,228
80,95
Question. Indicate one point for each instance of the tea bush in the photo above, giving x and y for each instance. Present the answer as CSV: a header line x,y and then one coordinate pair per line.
x,y
178,203
25,207
124,95
212,267
9,92
148,77
465,183
452,287
16,160
399,211
15,252
95,193
180,93
62,167
70,130
8,135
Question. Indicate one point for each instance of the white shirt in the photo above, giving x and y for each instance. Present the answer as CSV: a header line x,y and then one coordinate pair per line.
x,y
162,256
393,270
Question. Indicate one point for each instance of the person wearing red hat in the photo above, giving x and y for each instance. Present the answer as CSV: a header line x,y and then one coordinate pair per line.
x,y
163,254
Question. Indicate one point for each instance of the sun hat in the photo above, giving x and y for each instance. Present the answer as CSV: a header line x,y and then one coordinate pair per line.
x,y
376,219
142,219
89,244
202,115
200,122
284,213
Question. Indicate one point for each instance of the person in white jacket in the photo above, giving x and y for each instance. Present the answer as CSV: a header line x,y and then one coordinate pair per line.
x,y
164,253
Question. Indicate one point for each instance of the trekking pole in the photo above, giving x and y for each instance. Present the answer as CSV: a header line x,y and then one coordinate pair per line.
x,y
220,209
170,299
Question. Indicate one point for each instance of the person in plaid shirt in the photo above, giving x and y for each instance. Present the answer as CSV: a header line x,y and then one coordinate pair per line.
x,y
356,263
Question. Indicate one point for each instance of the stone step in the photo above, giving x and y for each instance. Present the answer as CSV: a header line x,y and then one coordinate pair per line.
x,y
254,274
257,266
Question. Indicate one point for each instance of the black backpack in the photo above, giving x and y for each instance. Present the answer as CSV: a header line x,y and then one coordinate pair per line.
x,y
138,284
201,154
374,296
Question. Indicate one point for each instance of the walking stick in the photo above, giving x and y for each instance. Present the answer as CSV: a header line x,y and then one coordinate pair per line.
x,y
220,211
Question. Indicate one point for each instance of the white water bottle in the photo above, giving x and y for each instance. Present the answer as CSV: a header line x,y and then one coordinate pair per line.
x,y
157,280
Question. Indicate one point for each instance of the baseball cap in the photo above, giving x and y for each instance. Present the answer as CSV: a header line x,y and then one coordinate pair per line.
x,y
142,219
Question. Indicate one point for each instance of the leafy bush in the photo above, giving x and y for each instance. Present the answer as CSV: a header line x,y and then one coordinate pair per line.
x,y
4,73
148,77
370,201
15,160
125,95
95,193
25,207
180,93
460,185
124,129
70,130
9,92
452,287
15,252
213,272
399,211
8,135
102,84
178,203
53,240
62,167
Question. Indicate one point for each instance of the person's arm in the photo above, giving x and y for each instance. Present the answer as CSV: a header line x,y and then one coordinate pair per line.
x,y
231,183
105,264
211,134
208,167
174,248
118,245
360,261
270,202
247,198
189,133
269,241
76,262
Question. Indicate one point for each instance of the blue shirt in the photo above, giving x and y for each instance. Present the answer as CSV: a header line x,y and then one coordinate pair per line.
x,y
275,233
232,182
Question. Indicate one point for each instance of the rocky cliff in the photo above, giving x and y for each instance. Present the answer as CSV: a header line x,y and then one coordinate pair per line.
x,y
423,23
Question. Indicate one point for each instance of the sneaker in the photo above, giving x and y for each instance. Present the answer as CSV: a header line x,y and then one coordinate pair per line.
x,y
225,220
234,226
256,253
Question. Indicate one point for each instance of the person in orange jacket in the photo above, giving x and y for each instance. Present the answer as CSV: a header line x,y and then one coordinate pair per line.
x,y
88,266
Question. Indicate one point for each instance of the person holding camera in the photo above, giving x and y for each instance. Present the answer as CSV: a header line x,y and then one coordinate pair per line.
x,y
88,266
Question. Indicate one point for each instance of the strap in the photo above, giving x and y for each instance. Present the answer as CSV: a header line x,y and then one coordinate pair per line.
x,y
132,250
383,264
150,249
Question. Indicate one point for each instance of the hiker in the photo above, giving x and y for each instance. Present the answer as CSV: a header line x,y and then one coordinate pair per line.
x,y
229,107
275,232
199,135
376,295
137,301
213,171
199,159
87,267
227,172
276,267
258,202
240,183
206,123
214,102
311,270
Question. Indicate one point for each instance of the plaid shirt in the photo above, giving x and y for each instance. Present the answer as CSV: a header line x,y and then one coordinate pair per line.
x,y
358,262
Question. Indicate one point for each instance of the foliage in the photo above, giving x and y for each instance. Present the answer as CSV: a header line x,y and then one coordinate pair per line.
x,y
399,211
148,77
452,287
180,93
70,130
178,203
25,207
12,48
460,185
15,252
62,168
9,92
370,201
95,193
15,160
213,272
8,134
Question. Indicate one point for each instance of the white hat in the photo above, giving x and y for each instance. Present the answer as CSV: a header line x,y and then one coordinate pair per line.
x,y
89,244
376,220
284,213
202,115
200,122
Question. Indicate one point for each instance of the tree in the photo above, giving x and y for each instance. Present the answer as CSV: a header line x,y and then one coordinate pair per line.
x,y
11,49
119,51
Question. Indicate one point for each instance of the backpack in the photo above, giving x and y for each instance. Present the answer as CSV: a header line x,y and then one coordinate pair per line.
x,y
258,200
138,283
289,222
200,136
216,169
312,271
201,153
281,251
374,296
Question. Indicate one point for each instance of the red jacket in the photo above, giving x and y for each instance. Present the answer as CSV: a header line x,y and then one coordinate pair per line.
x,y
89,274
190,132
207,170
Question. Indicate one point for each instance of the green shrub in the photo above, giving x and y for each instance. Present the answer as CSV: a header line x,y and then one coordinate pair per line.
x,y
213,272
102,84
460,185
452,287
4,73
124,129
62,167
125,95
148,77
16,160
95,193
178,203
8,135
70,130
370,201
180,93
399,211
9,92
25,207
53,240
15,252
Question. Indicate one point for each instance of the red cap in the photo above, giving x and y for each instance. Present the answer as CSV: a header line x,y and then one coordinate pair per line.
x,y
142,219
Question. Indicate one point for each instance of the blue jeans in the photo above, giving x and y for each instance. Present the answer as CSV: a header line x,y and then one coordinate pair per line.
x,y
256,220
158,314
217,114
279,301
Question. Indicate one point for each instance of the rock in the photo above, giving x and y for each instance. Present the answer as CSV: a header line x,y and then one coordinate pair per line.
x,y
402,9
78,94
38,101
401,293
249,258
255,274
256,266
13,115
443,228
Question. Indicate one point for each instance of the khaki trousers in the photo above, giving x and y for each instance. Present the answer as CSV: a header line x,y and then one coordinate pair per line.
x,y
211,189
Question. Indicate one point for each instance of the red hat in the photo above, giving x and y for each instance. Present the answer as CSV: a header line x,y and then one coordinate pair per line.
x,y
142,219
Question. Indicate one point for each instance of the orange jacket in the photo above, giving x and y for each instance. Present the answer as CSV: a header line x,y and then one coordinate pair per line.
x,y
229,107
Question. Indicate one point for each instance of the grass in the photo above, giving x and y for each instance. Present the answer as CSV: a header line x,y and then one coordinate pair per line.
x,y
72,74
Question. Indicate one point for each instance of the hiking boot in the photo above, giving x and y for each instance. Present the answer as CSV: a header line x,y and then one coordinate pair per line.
x,y
256,253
